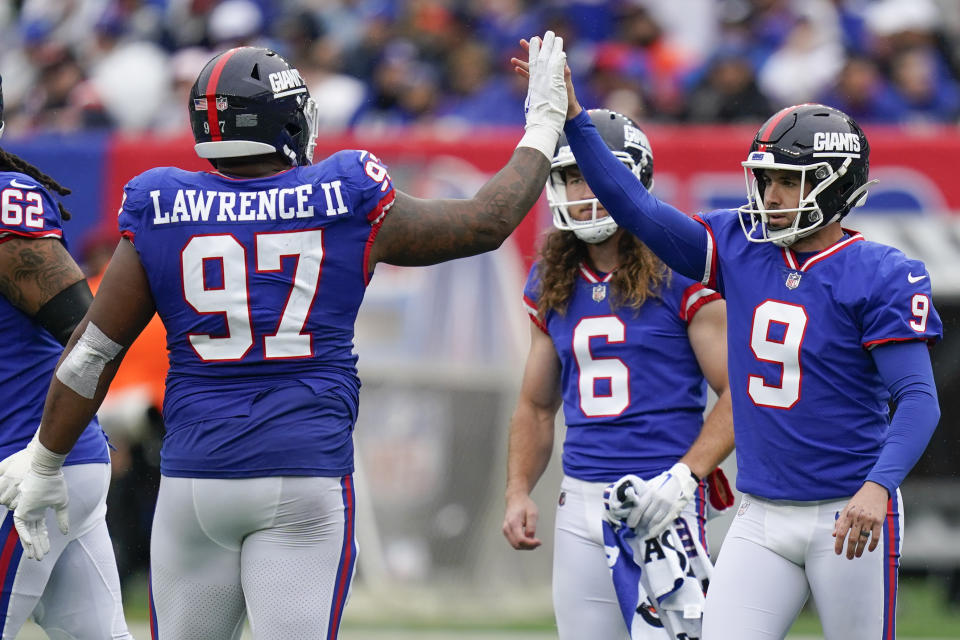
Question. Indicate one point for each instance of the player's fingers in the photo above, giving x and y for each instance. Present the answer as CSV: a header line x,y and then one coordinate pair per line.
x,y
24,534
8,493
875,538
522,64
533,50
840,533
63,519
524,44
530,524
548,45
41,540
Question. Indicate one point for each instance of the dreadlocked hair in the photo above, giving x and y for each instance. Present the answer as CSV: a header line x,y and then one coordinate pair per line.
x,y
9,161
640,275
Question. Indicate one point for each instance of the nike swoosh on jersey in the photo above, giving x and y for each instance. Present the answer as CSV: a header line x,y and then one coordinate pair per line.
x,y
912,279
14,183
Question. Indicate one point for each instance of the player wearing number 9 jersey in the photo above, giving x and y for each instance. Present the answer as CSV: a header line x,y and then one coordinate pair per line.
x,y
825,328
627,348
257,270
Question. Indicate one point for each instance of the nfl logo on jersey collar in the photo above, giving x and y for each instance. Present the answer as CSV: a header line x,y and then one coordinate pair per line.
x,y
793,280
599,284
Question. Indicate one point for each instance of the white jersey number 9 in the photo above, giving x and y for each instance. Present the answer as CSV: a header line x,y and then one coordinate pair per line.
x,y
592,369
785,352
231,299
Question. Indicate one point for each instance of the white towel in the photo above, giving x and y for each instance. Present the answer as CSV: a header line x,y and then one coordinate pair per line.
x,y
659,581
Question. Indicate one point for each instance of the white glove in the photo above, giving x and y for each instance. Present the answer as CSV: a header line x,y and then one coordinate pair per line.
x,y
546,104
42,487
664,499
12,470
37,493
620,500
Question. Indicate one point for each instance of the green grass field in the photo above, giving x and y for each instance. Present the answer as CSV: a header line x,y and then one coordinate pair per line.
x,y
922,613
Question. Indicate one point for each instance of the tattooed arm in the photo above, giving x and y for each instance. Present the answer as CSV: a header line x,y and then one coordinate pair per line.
x,y
421,232
41,279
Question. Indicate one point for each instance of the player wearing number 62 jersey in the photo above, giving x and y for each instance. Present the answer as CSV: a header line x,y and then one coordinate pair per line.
x,y
825,328
257,270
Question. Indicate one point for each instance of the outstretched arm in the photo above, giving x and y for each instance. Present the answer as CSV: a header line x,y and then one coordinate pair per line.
x,y
421,232
677,239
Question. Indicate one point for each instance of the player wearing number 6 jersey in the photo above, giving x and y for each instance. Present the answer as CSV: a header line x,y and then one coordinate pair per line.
x,y
825,328
257,270
624,345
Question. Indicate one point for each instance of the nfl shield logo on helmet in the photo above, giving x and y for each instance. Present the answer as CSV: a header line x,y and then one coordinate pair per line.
x,y
793,280
599,292
221,103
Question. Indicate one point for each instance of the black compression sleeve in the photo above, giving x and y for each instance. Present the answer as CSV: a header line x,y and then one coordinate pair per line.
x,y
64,311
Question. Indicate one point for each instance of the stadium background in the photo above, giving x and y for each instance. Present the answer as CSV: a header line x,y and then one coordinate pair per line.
x,y
95,92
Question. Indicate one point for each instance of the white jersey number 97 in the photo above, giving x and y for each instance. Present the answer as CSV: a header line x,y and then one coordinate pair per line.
x,y
231,299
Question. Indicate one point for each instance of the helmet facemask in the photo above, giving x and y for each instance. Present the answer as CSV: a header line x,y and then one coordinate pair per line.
x,y
810,217
596,228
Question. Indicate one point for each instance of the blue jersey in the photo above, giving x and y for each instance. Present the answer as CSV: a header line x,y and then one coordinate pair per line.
x,y
800,328
258,282
633,392
28,353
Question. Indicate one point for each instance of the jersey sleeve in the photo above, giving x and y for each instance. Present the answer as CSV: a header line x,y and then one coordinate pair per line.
x,y
694,298
531,297
368,184
686,296
901,305
29,211
135,206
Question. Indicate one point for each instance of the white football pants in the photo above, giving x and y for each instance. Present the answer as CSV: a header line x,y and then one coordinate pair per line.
x,y
584,600
74,592
777,553
279,550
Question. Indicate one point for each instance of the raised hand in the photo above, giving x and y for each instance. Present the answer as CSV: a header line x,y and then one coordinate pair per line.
x,y
546,103
522,68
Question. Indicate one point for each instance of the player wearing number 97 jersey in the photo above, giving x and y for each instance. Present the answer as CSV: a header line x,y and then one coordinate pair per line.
x,y
257,270
825,328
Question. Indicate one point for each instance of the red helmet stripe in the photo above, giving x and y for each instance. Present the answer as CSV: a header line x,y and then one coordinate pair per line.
x,y
772,124
211,95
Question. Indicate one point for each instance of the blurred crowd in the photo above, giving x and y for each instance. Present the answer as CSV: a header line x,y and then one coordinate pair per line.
x,y
128,64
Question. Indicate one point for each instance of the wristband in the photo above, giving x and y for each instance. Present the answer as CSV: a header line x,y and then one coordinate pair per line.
x,y
542,138
43,461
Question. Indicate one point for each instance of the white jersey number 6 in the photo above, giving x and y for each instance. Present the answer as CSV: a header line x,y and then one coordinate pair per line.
x,y
785,352
592,369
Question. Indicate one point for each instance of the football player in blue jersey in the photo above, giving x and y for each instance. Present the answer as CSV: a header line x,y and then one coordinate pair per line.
x,y
623,344
257,270
825,329
74,591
